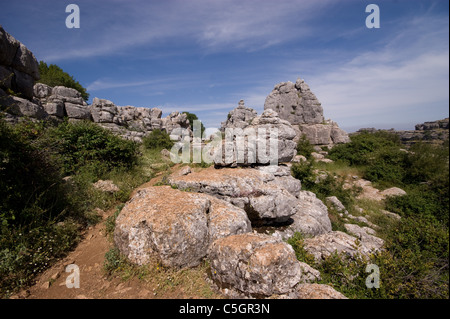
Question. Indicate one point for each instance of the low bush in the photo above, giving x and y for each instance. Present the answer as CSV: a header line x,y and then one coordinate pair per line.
x,y
42,214
86,145
304,147
157,139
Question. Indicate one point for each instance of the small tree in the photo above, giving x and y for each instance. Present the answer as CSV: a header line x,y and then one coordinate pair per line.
x,y
53,75
192,117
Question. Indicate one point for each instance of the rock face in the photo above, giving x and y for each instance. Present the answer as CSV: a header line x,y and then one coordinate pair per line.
x,y
257,264
295,103
262,140
153,224
324,245
299,106
269,195
18,66
128,121
311,217
253,190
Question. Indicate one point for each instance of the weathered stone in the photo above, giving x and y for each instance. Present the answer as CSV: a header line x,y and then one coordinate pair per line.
x,y
25,62
390,214
255,264
55,109
393,191
65,92
295,103
226,219
103,111
23,84
8,47
77,111
106,186
22,107
153,224
366,236
249,189
240,117
336,203
267,140
324,245
42,91
316,291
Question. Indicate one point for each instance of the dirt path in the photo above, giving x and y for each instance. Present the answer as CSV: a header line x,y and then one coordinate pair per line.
x,y
89,256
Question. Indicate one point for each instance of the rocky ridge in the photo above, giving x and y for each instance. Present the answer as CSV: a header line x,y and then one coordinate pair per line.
x,y
20,97
428,132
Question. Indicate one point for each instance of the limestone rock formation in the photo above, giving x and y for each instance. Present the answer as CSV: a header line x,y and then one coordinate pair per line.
x,y
298,105
153,224
257,264
249,189
295,103
263,140
240,117
324,245
268,194
311,217
18,66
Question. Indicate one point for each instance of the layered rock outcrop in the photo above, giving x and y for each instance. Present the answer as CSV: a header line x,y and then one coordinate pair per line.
x,y
240,117
253,140
298,105
18,66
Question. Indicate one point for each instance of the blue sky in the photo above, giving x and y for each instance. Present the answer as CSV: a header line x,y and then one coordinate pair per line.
x,y
204,56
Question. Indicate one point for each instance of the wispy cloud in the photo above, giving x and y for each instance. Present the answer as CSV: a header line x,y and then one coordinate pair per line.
x,y
121,27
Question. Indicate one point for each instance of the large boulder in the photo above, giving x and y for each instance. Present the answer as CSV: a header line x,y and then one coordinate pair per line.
x,y
339,242
174,227
256,264
20,107
253,190
295,103
311,217
327,133
103,111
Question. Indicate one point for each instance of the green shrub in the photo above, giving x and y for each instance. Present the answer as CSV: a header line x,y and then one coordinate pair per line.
x,y
41,214
304,147
303,171
38,220
386,166
157,139
85,145
192,117
331,185
361,148
53,75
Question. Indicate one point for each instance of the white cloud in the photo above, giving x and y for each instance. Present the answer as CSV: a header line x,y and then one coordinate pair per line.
x,y
120,28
